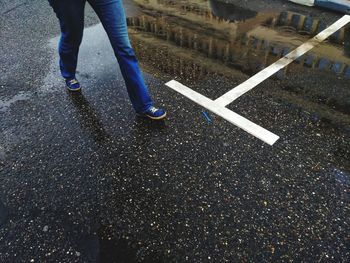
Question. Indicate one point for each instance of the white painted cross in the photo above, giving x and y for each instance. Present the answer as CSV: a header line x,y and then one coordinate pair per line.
x,y
218,106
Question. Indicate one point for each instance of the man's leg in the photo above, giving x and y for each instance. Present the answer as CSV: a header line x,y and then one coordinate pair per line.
x,y
71,16
112,16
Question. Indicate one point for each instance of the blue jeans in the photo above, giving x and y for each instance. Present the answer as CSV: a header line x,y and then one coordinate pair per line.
x,y
111,13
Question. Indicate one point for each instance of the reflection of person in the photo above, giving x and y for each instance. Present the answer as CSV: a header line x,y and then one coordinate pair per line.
x,y
111,13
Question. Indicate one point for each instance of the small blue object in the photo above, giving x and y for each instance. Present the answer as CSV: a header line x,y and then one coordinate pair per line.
x,y
207,117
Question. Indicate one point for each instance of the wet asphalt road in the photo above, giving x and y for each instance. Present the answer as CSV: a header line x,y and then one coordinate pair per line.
x,y
84,180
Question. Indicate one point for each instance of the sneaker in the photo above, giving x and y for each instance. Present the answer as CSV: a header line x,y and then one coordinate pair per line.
x,y
73,84
153,113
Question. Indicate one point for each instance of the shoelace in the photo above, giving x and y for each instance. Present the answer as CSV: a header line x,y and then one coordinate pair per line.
x,y
153,109
73,81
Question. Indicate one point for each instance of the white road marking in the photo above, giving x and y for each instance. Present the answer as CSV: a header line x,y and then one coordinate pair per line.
x,y
225,113
246,86
219,105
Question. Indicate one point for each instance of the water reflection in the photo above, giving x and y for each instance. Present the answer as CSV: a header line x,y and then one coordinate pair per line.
x,y
195,37
229,11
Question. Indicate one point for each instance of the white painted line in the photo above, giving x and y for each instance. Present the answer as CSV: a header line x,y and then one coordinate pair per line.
x,y
246,86
225,113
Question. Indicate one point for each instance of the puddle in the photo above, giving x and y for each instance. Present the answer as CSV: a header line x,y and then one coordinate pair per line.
x,y
236,37
193,39
5,104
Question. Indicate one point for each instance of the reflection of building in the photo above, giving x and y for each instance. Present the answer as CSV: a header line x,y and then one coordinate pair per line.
x,y
306,25
191,26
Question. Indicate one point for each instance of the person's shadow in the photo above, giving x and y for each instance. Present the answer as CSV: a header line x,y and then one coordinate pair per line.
x,y
88,118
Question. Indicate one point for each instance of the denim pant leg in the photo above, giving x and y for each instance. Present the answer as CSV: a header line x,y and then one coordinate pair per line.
x,y
112,16
71,17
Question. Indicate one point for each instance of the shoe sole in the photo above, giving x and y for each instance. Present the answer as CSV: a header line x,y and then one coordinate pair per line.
x,y
153,118
73,90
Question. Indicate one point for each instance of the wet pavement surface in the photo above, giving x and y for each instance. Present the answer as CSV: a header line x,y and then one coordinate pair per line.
x,y
82,179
